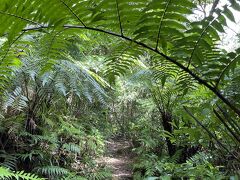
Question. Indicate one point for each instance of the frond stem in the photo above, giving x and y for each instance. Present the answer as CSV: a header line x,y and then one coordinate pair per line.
x,y
70,9
10,45
119,18
22,18
199,39
209,132
227,126
224,70
161,21
213,8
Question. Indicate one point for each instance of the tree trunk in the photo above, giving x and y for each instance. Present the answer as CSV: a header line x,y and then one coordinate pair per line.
x,y
167,126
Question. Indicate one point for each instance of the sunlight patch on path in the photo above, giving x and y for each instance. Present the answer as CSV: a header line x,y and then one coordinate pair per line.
x,y
118,159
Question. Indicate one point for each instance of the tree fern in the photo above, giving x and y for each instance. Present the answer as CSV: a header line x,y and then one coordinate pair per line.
x,y
66,77
162,27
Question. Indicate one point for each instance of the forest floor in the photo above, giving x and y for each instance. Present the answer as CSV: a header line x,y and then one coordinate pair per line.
x,y
118,158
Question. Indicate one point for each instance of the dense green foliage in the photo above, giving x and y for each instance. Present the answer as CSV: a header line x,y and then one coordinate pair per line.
x,y
75,73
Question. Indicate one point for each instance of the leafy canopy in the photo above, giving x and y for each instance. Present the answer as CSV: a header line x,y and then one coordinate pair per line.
x,y
164,28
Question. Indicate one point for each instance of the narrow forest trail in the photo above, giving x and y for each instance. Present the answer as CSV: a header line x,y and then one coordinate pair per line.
x,y
119,159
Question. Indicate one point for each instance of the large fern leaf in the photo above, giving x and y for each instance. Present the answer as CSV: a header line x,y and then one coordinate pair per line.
x,y
7,174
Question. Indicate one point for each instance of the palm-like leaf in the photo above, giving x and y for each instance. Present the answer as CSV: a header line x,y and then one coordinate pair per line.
x,y
162,27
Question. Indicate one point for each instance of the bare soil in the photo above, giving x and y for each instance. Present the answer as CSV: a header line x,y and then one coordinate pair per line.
x,y
118,158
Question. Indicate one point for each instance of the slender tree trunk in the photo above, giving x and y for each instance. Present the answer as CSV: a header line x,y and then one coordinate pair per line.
x,y
167,126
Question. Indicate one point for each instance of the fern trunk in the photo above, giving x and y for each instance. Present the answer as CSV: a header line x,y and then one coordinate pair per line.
x,y
167,126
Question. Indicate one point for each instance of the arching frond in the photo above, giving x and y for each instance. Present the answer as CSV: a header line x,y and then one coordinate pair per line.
x,y
165,28
122,60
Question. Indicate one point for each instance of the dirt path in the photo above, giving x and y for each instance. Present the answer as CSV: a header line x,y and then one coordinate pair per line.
x,y
119,159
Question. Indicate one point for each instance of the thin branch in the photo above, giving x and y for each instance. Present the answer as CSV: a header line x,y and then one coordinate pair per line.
x,y
215,3
19,17
224,70
203,32
231,121
202,7
181,66
226,125
10,45
199,39
235,32
119,18
161,21
52,41
209,132
26,86
37,28
70,9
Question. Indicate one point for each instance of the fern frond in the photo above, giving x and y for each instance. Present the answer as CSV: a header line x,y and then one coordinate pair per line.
x,y
52,171
71,147
9,160
7,174
16,100
162,27
122,60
